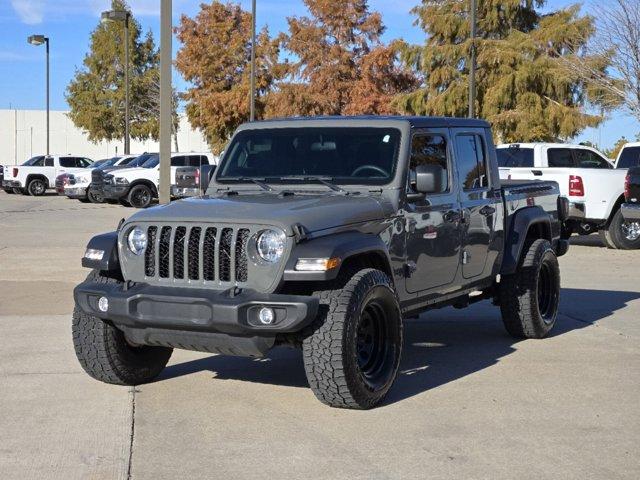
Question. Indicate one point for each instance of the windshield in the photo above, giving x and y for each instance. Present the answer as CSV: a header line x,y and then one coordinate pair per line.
x,y
152,160
356,156
35,160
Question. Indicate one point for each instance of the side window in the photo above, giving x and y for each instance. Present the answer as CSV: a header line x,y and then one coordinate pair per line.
x,y
68,162
83,162
428,150
630,157
471,161
515,157
560,158
48,162
39,162
179,161
589,159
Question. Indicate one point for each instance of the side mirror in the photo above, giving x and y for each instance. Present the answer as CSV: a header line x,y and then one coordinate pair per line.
x,y
430,178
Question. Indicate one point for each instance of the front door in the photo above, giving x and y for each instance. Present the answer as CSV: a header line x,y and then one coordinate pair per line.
x,y
478,200
432,221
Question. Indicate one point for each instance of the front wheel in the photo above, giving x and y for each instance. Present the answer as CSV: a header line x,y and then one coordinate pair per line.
x,y
94,197
106,355
622,234
530,297
37,187
140,196
352,354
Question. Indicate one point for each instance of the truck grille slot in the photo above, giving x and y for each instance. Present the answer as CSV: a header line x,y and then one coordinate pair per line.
x,y
165,240
201,254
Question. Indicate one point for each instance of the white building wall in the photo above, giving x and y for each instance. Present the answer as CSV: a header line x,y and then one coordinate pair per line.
x,y
23,135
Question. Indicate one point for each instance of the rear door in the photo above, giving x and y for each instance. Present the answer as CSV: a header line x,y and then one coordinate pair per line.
x,y
433,221
478,199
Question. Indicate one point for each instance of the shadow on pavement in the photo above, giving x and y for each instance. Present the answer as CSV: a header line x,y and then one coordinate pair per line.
x,y
592,240
441,347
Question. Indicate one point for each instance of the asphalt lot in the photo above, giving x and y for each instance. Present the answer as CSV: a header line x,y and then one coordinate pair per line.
x,y
470,402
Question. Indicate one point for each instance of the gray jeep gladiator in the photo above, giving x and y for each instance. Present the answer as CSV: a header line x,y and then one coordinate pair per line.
x,y
322,234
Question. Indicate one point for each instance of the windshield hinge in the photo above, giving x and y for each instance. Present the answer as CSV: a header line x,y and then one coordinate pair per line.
x,y
299,232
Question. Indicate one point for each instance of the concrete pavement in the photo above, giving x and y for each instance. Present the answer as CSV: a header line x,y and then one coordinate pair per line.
x,y
470,402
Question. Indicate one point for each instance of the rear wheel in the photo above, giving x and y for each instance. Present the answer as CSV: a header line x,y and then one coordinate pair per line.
x,y
624,235
37,187
530,297
140,196
106,355
352,353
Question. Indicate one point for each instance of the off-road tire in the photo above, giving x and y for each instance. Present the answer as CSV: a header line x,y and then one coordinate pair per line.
x,y
37,187
104,352
140,196
617,235
529,298
333,348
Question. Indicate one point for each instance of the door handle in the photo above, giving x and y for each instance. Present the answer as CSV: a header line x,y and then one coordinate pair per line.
x,y
487,211
537,173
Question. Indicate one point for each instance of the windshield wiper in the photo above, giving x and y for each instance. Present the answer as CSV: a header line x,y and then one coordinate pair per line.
x,y
326,181
258,181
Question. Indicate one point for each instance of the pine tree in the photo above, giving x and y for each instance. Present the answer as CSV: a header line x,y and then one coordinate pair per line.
x,y
96,94
339,64
215,58
524,87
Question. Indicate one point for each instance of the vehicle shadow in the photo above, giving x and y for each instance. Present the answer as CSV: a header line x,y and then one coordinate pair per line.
x,y
440,347
592,240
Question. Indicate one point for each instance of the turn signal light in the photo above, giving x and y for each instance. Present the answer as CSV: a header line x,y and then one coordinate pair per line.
x,y
317,264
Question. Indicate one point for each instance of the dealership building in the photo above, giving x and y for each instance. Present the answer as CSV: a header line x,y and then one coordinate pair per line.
x,y
23,135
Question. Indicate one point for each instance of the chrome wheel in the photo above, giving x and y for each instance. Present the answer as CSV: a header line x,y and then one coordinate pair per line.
x,y
631,230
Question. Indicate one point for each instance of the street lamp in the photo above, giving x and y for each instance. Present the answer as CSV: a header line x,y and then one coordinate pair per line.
x,y
38,40
123,16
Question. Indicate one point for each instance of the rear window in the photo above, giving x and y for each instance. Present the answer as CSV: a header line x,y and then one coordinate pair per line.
x,y
515,157
630,157
34,162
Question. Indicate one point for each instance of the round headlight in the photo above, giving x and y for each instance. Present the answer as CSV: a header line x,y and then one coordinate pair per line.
x,y
137,240
270,245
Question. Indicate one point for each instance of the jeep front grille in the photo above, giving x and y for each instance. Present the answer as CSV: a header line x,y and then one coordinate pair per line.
x,y
198,254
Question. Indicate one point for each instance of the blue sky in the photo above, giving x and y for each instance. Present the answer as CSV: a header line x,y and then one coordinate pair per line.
x,y
69,22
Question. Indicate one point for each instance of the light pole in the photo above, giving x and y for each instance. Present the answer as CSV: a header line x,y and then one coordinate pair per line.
x,y
472,66
123,16
166,101
253,60
39,40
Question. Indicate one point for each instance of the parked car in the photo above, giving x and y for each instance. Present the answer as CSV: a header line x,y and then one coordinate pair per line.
x,y
631,209
38,174
629,156
192,181
594,187
322,234
95,191
77,186
138,187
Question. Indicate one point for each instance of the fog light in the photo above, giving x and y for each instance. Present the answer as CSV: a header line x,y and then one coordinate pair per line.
x,y
267,316
103,304
93,254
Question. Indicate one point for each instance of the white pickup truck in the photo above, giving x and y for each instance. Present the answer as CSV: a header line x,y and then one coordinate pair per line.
x,y
137,187
38,174
594,187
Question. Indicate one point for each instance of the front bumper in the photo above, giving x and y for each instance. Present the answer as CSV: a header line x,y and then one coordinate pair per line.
x,y
114,192
206,318
182,192
631,211
75,192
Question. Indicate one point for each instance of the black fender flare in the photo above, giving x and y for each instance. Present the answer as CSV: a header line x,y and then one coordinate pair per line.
x,y
344,246
107,243
521,223
36,176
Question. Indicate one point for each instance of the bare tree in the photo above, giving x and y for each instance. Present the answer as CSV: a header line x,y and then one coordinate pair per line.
x,y
617,43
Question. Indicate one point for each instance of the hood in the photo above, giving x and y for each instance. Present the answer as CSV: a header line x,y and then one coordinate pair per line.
x,y
314,212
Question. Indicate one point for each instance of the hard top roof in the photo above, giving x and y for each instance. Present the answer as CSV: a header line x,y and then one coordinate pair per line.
x,y
414,121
